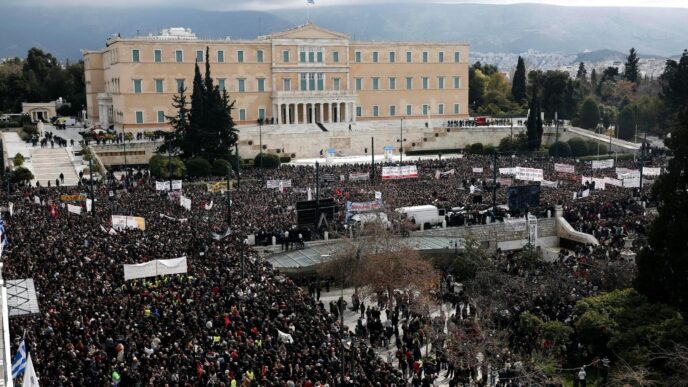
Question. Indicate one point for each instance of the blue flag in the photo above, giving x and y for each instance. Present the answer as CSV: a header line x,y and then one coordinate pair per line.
x,y
19,361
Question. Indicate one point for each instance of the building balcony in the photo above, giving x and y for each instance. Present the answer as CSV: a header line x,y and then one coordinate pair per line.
x,y
315,94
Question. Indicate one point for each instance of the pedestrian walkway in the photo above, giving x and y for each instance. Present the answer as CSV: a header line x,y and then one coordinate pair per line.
x,y
387,353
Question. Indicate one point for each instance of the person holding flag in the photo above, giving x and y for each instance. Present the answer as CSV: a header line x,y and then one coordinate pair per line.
x,y
23,365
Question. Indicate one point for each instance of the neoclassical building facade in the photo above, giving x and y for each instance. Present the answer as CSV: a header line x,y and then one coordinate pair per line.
x,y
304,75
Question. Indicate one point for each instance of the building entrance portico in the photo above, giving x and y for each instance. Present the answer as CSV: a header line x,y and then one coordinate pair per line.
x,y
309,108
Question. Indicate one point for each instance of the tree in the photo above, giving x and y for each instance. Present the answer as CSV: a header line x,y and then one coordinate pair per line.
x,y
578,147
159,166
220,167
663,264
198,167
589,115
180,126
206,129
268,161
518,86
18,160
582,74
632,72
593,79
564,149
21,176
534,123
626,123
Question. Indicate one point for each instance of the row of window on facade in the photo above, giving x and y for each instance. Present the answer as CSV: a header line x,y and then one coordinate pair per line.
x,y
311,82
306,55
375,111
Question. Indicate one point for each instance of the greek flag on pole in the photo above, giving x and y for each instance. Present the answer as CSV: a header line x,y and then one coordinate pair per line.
x,y
19,361
3,236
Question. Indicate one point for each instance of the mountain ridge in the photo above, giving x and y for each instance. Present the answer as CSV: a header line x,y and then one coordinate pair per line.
x,y
64,31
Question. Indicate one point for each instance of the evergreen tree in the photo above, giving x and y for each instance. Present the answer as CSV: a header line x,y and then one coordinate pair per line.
x,y
209,132
632,73
663,264
180,125
534,123
589,114
582,74
518,86
593,79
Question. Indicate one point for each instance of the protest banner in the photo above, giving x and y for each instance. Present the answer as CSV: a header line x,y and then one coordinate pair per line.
x,y
529,174
564,168
185,202
362,176
74,209
402,172
271,184
549,184
652,171
364,206
613,182
155,268
603,164
121,222
165,185
477,170
73,198
599,183
440,175
217,186
507,171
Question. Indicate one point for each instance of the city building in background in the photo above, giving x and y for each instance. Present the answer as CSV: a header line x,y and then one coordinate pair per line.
x,y
304,75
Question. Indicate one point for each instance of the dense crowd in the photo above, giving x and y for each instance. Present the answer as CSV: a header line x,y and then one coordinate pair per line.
x,y
214,327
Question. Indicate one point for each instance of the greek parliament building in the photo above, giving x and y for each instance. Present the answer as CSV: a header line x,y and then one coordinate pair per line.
x,y
303,75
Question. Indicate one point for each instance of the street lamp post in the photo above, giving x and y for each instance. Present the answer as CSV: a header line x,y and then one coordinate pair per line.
x,y
401,140
260,140
238,161
229,198
93,202
556,128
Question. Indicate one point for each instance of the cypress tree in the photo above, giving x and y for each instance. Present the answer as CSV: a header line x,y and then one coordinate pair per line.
x,y
518,86
582,74
534,123
208,128
632,73
593,79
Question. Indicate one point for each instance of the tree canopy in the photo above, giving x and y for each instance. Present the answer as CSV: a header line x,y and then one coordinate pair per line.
x,y
205,128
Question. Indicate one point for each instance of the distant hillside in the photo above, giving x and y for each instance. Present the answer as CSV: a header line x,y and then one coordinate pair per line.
x,y
488,28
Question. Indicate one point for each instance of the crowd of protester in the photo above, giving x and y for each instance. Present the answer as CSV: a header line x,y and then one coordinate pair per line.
x,y
215,326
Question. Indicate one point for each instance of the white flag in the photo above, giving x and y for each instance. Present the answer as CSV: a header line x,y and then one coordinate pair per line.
x,y
310,194
30,378
378,195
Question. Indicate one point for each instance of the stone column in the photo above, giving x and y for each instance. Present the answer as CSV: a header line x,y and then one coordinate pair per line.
x,y
339,111
321,106
276,112
288,106
331,112
353,112
304,110
312,113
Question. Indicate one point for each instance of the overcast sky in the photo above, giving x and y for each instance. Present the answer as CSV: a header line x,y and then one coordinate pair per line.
x,y
276,4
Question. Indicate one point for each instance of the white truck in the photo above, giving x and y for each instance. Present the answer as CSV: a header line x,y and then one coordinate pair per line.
x,y
428,216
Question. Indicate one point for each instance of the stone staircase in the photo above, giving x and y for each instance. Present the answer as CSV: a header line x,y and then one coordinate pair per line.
x,y
48,163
